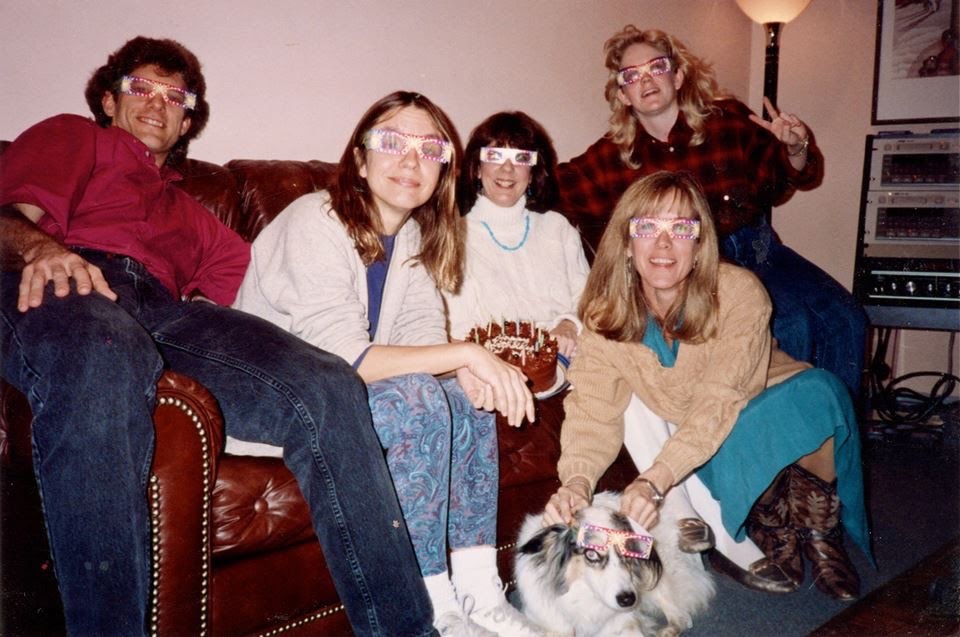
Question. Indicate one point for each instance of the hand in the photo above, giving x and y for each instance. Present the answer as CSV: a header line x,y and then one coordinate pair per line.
x,y
51,261
566,335
637,503
564,504
508,385
786,127
479,392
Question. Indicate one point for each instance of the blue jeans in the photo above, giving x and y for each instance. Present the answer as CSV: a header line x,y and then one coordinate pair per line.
x,y
442,454
89,367
815,319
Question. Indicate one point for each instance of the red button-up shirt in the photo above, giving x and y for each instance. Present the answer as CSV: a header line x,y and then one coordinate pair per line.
x,y
100,188
742,168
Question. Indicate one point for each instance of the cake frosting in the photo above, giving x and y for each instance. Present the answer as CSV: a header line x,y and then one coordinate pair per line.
x,y
530,348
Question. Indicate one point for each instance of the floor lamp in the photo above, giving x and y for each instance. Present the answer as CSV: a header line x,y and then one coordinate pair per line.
x,y
772,14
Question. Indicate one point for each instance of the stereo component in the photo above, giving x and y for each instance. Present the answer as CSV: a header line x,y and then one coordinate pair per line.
x,y
908,248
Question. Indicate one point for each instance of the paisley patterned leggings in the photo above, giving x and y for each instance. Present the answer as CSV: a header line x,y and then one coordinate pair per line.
x,y
442,455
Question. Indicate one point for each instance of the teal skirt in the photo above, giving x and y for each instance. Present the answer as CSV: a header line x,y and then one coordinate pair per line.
x,y
782,424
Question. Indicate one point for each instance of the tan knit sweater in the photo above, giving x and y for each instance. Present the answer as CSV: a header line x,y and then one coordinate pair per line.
x,y
702,393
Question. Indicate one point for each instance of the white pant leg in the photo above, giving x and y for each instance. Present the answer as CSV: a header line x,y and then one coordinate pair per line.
x,y
644,436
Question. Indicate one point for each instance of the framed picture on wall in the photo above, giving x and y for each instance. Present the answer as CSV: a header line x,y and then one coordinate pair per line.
x,y
917,70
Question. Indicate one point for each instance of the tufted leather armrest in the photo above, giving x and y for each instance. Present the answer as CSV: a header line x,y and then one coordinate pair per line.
x,y
15,447
189,440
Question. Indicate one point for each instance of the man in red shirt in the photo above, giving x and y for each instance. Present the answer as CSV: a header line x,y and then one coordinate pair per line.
x,y
112,253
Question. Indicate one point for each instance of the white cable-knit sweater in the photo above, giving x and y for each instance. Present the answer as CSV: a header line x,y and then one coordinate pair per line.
x,y
541,281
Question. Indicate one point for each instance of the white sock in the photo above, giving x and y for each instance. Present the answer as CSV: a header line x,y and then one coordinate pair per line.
x,y
475,573
441,593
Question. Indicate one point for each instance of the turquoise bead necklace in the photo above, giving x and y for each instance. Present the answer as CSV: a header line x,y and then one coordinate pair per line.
x,y
526,233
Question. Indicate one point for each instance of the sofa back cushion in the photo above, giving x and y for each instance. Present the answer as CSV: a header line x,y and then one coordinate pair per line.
x,y
267,186
246,194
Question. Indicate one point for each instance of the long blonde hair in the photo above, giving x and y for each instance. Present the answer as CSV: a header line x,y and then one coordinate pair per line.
x,y
695,96
613,303
441,227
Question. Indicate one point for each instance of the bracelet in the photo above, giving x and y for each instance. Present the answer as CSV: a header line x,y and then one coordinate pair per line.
x,y
657,496
804,143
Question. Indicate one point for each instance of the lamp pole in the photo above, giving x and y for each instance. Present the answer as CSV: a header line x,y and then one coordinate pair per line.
x,y
771,66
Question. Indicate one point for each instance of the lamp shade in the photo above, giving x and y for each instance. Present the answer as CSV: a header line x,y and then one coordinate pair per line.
x,y
764,11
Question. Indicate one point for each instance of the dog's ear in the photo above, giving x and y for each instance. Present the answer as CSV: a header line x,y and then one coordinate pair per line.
x,y
550,549
536,543
551,540
646,572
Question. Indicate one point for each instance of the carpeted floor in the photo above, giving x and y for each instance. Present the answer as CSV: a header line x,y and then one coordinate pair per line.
x,y
913,500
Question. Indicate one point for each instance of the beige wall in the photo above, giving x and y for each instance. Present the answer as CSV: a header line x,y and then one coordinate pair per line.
x,y
289,78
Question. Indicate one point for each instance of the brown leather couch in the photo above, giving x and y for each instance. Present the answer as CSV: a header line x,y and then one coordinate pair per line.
x,y
234,552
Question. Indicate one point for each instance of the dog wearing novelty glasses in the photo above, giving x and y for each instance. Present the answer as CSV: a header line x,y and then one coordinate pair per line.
x,y
606,575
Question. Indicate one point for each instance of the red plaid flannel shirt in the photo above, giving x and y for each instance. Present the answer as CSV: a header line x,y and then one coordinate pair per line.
x,y
742,168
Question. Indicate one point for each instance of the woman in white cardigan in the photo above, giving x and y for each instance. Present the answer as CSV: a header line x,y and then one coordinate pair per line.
x,y
523,261
355,271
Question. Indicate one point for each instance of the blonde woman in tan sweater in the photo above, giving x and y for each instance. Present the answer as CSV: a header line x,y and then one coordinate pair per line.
x,y
668,324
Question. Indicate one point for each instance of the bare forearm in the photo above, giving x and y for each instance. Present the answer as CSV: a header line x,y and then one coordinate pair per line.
x,y
41,259
20,238
386,361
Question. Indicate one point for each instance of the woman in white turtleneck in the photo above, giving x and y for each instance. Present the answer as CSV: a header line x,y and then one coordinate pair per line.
x,y
523,261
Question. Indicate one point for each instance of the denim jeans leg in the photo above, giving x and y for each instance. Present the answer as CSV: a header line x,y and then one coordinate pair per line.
x,y
815,319
837,322
89,371
274,388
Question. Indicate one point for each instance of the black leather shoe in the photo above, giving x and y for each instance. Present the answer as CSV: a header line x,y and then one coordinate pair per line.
x,y
763,575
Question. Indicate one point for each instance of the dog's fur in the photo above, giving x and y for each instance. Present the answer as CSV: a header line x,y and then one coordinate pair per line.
x,y
567,591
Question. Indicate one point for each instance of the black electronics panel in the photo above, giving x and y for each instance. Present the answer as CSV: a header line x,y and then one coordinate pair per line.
x,y
908,248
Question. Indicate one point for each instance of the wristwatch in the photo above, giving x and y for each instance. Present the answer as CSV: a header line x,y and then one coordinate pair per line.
x,y
657,496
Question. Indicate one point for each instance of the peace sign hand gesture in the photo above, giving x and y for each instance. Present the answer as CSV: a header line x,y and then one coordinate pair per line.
x,y
786,127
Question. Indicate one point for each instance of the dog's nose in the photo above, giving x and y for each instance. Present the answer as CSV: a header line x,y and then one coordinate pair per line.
x,y
626,599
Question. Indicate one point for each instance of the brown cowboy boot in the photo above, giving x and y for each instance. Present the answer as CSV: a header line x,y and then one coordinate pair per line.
x,y
768,525
815,514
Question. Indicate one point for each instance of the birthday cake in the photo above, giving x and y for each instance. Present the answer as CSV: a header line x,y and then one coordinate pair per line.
x,y
530,348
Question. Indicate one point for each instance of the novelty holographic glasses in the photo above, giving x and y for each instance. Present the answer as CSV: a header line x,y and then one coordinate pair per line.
x,y
498,155
676,227
599,538
397,143
656,66
143,87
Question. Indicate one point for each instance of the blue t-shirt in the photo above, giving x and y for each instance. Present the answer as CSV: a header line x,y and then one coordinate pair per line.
x,y
376,278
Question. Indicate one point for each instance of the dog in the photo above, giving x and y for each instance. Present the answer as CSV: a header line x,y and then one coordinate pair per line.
x,y
570,585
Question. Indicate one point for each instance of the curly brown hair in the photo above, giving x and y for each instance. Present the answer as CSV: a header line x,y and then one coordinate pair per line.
x,y
170,57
